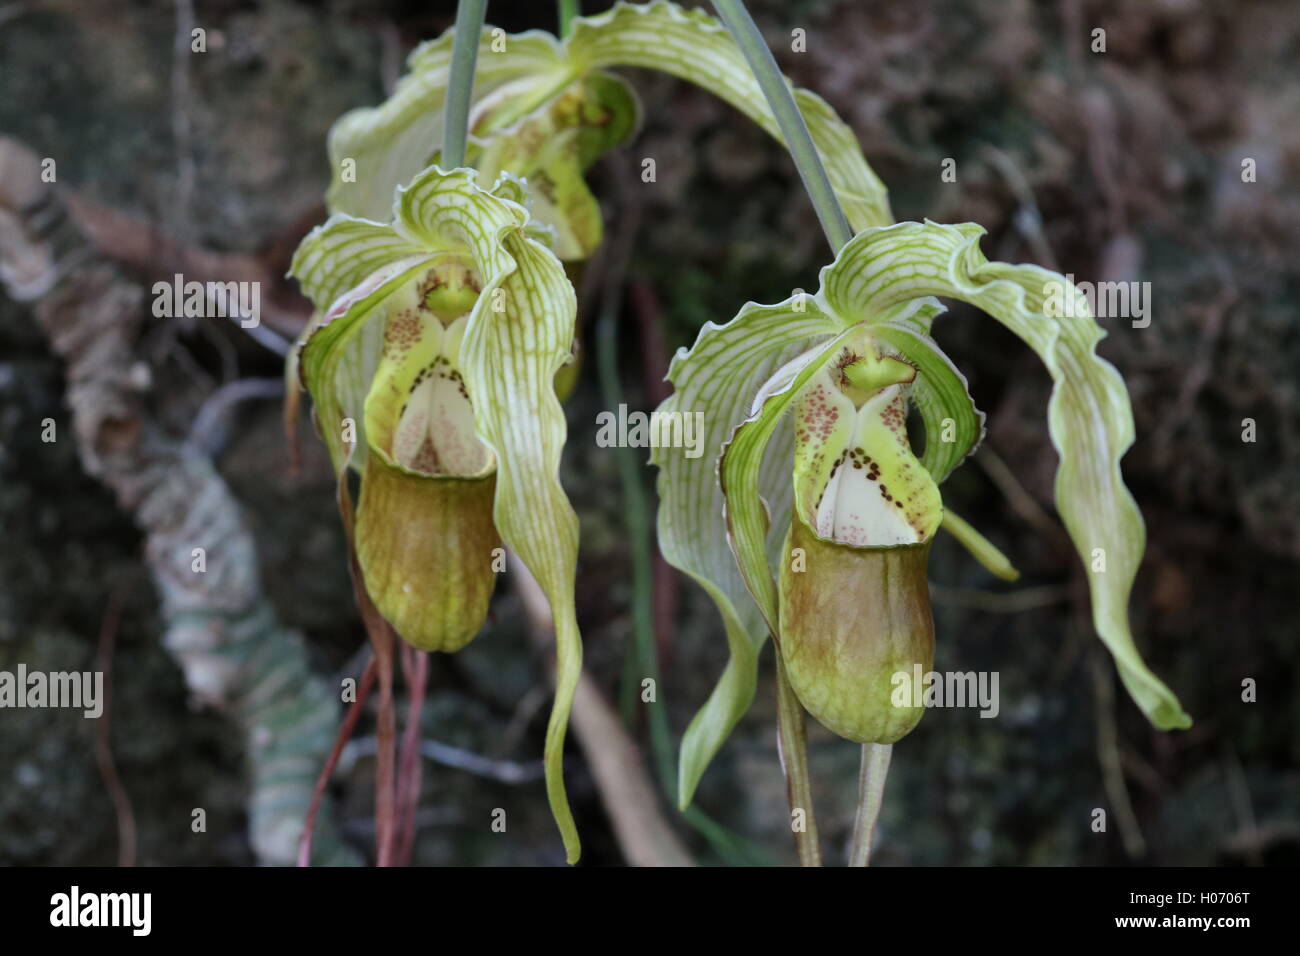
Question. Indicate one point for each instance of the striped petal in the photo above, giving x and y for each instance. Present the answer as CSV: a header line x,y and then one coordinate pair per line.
x,y
458,247
719,377
1089,417
376,149
510,356
695,47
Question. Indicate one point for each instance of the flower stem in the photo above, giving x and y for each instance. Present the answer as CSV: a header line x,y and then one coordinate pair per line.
x,y
871,790
793,128
460,83
568,10
792,739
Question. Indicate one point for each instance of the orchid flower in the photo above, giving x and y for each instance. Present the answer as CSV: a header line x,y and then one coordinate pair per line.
x,y
545,109
809,517
431,363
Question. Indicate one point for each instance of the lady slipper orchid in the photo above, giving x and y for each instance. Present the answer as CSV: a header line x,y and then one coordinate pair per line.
x,y
431,364
855,610
545,109
805,408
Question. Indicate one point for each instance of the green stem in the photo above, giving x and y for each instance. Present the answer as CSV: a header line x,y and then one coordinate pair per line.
x,y
460,82
568,10
871,791
793,128
793,741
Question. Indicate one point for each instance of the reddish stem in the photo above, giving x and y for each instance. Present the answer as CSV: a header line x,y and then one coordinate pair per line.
x,y
415,667
344,734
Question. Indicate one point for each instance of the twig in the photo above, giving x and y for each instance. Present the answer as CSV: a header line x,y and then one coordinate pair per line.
x,y
382,640
142,245
512,772
126,843
208,430
1028,220
1108,755
1021,501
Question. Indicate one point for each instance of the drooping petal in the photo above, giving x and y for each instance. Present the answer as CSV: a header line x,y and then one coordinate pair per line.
x,y
719,378
694,46
1089,417
509,358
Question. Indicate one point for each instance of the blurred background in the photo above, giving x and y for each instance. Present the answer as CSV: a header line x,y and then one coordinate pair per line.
x,y
1115,166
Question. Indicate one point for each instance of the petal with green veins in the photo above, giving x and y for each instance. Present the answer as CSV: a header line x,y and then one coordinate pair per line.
x,y
719,376
509,358
388,144
1089,417
477,248
695,47
521,79
552,148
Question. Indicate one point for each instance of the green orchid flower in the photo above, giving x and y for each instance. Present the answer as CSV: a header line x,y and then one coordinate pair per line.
x,y
817,523
545,109
431,364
